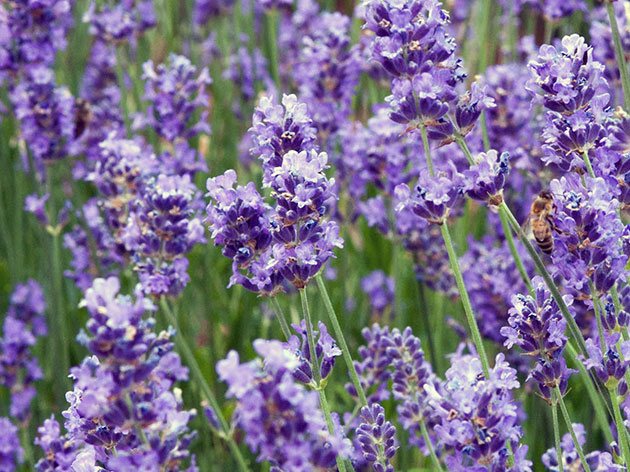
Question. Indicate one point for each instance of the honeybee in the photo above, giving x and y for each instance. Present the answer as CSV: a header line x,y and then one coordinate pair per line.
x,y
82,116
540,221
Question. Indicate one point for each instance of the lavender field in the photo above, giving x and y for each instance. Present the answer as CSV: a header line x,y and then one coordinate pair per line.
x,y
311,236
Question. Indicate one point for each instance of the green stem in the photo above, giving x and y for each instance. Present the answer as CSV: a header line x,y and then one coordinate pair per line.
x,y
464,147
317,375
540,267
341,340
484,37
463,293
459,279
484,131
26,447
622,434
201,381
587,163
619,54
427,149
429,445
556,434
567,420
61,322
598,316
281,318
120,77
272,44
509,237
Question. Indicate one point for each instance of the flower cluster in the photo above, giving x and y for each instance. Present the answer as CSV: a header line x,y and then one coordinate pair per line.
x,y
377,438
162,229
124,411
302,238
327,72
325,352
379,289
485,179
476,417
596,460
536,325
575,93
413,45
281,419
45,113
588,244
19,369
553,10
11,452
121,21
32,33
433,196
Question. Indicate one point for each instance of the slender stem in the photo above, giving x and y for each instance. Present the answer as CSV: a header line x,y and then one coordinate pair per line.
x,y
464,147
272,44
193,365
281,318
341,340
598,316
567,420
26,447
317,375
622,433
619,54
587,163
429,445
540,266
427,149
509,237
61,324
484,35
463,293
120,77
556,433
597,398
484,131
459,279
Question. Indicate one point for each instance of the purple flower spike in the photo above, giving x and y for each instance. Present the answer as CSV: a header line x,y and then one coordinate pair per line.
x,y
432,197
23,324
281,420
325,347
377,438
485,179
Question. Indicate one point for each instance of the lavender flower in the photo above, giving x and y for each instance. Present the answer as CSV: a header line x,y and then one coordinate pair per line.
x,y
433,197
33,32
45,113
277,129
174,92
553,10
280,418
538,328
19,369
11,453
325,352
303,239
380,291
123,394
327,72
589,240
122,21
162,229
377,438
570,458
485,179
207,9
477,417
573,89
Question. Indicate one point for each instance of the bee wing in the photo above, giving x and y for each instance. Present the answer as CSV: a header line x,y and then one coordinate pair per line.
x,y
526,228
